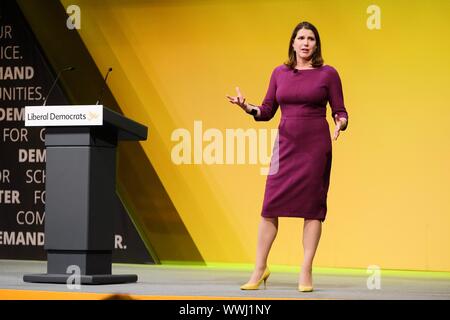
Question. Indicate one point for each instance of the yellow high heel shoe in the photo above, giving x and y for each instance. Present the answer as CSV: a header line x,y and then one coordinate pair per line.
x,y
255,286
305,288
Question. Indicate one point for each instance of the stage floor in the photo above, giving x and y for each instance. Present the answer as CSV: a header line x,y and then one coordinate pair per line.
x,y
198,282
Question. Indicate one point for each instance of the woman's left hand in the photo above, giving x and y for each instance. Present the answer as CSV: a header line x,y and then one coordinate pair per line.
x,y
341,123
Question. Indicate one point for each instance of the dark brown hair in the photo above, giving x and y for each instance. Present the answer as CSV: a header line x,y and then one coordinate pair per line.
x,y
316,60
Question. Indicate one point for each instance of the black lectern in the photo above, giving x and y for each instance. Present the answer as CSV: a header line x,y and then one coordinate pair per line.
x,y
80,199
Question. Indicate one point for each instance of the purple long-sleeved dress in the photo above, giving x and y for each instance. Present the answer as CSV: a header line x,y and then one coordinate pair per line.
x,y
301,160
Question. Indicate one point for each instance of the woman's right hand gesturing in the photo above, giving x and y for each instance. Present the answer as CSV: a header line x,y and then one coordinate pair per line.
x,y
240,101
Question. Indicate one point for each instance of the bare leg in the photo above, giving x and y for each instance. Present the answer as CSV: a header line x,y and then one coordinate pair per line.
x,y
312,229
267,232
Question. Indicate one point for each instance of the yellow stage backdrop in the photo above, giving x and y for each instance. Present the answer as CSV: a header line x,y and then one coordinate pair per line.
x,y
174,62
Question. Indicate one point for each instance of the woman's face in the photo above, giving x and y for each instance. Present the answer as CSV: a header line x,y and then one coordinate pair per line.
x,y
304,44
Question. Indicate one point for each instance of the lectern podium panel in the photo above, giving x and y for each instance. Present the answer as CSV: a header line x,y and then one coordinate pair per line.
x,y
80,191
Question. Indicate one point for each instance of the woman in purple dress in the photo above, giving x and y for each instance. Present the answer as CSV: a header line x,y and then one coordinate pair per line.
x,y
298,186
